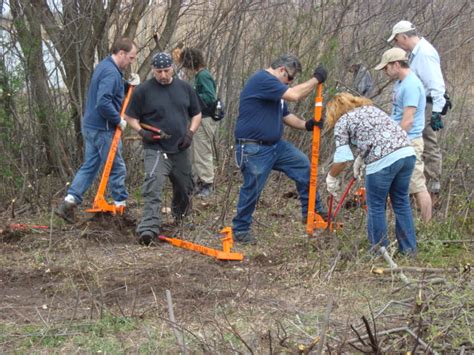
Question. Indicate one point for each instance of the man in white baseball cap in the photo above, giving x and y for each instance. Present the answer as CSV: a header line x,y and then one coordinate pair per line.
x,y
425,63
401,27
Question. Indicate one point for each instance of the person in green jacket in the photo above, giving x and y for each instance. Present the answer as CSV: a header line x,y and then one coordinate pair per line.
x,y
192,60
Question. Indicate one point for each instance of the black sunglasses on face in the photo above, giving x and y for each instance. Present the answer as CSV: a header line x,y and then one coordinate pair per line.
x,y
289,76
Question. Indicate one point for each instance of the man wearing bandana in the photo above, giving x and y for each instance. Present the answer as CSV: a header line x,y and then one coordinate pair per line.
x,y
169,110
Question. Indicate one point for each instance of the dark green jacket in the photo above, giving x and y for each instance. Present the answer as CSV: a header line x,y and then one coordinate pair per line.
x,y
205,87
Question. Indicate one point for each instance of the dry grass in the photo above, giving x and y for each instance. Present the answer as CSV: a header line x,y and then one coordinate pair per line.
x,y
92,287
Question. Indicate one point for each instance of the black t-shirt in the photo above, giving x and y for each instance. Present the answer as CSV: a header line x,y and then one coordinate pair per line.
x,y
167,107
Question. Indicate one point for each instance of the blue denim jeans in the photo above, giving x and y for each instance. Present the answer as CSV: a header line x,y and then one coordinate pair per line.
x,y
256,161
394,180
97,146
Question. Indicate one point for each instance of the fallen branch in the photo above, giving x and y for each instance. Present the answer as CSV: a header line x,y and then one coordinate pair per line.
x,y
396,330
381,270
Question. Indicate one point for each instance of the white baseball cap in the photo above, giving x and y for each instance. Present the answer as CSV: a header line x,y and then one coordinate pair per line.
x,y
401,27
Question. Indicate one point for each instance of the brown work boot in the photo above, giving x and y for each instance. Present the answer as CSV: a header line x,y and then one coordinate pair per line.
x,y
66,211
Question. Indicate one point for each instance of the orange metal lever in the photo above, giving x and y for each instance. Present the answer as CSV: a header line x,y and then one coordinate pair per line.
x,y
100,203
314,220
224,254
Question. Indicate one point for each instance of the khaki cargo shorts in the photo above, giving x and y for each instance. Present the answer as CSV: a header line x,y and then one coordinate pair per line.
x,y
418,180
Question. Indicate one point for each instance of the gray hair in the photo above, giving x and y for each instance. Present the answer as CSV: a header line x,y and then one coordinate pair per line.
x,y
289,61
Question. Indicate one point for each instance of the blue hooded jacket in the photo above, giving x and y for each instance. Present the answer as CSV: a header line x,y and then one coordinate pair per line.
x,y
104,97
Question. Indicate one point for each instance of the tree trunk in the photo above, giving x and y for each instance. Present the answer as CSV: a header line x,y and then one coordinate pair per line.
x,y
29,36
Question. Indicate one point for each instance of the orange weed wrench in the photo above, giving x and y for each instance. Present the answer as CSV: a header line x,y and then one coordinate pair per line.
x,y
159,133
100,203
315,220
224,254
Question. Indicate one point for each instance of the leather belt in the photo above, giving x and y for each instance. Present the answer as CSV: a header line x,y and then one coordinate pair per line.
x,y
253,141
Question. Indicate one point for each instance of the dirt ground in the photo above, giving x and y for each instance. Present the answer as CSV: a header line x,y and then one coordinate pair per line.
x,y
290,293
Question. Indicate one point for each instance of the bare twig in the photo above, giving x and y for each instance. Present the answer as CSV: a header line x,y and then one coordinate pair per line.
x,y
324,328
395,330
331,270
372,336
419,341
179,335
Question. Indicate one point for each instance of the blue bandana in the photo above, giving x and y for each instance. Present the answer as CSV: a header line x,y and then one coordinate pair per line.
x,y
162,60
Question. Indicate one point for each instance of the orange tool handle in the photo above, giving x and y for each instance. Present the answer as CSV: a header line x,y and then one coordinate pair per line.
x,y
313,178
150,128
113,150
162,134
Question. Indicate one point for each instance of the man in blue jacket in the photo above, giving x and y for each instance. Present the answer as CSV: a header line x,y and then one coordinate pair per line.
x,y
263,112
101,117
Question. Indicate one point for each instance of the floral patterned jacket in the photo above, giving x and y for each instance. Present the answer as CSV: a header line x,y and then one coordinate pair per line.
x,y
370,129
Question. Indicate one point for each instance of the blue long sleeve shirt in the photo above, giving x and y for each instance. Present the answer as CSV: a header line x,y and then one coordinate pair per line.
x,y
425,63
104,97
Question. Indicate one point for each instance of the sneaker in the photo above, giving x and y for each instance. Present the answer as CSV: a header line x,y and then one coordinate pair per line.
x,y
146,238
245,238
66,211
205,191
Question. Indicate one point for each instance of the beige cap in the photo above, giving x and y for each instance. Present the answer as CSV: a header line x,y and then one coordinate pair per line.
x,y
392,55
401,27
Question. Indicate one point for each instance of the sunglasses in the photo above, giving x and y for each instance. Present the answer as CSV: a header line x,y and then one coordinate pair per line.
x,y
289,76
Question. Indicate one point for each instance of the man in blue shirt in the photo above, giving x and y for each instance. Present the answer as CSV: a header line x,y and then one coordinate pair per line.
x,y
101,117
425,63
259,129
409,103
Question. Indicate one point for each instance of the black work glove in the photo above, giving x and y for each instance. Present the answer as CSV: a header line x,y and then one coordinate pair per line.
x,y
149,136
310,124
185,141
436,121
320,74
